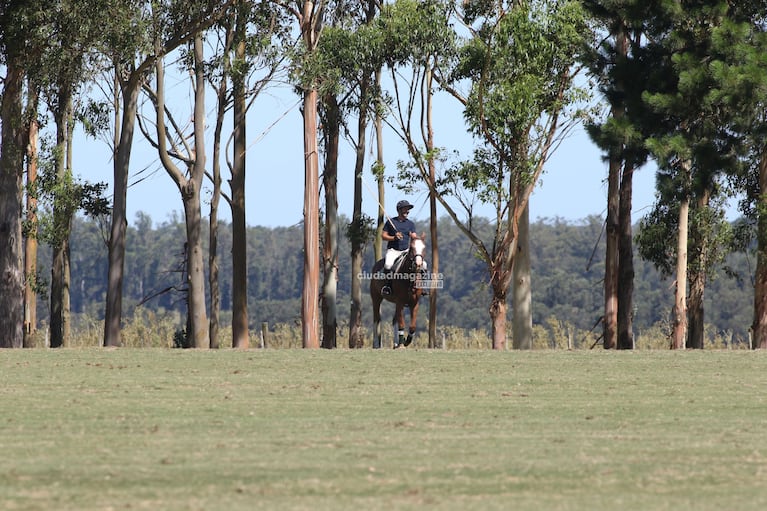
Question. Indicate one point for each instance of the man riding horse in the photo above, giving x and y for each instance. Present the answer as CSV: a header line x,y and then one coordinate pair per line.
x,y
398,232
398,275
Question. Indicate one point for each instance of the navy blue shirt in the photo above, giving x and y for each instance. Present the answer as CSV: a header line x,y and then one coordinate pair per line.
x,y
394,225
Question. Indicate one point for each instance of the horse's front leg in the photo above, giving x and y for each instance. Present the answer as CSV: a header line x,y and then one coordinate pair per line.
x,y
411,331
376,323
399,322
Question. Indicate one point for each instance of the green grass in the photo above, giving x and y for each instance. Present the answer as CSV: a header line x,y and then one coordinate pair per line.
x,y
96,429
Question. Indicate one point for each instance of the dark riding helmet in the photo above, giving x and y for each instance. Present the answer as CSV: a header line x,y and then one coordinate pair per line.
x,y
403,204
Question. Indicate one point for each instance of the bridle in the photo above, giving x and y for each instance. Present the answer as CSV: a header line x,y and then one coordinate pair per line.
x,y
416,258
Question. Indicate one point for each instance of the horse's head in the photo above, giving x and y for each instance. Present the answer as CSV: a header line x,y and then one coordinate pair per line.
x,y
417,249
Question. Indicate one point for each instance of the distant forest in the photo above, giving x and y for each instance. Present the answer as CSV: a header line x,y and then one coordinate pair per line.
x,y
567,272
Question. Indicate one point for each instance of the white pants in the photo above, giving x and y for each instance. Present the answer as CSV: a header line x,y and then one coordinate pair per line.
x,y
391,256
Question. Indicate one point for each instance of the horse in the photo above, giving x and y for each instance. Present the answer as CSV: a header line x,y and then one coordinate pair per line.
x,y
405,291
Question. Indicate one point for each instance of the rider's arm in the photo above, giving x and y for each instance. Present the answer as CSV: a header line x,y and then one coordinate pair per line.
x,y
390,233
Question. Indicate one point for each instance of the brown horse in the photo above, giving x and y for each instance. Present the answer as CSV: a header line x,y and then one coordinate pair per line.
x,y
403,279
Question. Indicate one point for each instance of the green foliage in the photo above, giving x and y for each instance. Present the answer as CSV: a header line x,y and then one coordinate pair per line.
x,y
482,176
518,65
39,284
657,232
415,32
344,56
59,198
362,231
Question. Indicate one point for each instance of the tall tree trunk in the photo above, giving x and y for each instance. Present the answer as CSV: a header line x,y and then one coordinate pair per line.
x,y
11,190
697,272
57,289
310,29
612,258
626,262
215,291
66,295
355,315
378,242
610,323
198,331
215,200
498,318
696,314
61,221
193,209
119,222
680,301
240,335
759,327
11,193
433,220
31,246
67,291
522,297
500,273
330,245
310,293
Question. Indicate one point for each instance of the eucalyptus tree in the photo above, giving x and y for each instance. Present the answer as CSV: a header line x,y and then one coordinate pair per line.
x,y
309,16
343,68
31,245
365,59
58,196
220,85
20,47
65,66
323,68
518,65
130,34
247,59
175,143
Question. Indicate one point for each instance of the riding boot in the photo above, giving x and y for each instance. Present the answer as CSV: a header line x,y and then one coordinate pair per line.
x,y
386,289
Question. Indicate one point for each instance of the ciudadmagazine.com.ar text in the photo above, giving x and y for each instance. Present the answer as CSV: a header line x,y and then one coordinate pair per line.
x,y
422,281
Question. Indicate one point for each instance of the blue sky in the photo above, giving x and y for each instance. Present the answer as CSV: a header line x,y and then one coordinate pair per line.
x,y
573,185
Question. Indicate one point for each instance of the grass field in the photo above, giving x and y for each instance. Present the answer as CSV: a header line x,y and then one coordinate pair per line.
x,y
96,429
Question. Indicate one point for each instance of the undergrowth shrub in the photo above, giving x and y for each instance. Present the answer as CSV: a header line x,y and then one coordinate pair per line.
x,y
150,329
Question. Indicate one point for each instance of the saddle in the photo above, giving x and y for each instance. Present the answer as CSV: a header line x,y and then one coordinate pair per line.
x,y
397,264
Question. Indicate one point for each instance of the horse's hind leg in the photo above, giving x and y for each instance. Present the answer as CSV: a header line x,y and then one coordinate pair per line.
x,y
376,324
399,325
411,330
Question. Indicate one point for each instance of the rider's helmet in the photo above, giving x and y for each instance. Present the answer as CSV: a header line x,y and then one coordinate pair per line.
x,y
403,204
